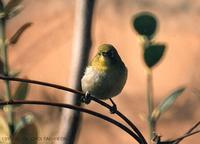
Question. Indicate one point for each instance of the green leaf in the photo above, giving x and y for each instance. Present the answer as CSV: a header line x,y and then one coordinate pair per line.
x,y
13,8
26,131
2,15
4,131
19,32
21,91
14,73
153,54
145,23
11,4
166,103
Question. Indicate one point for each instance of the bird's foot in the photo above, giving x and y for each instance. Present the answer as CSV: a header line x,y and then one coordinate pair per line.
x,y
156,138
86,98
113,109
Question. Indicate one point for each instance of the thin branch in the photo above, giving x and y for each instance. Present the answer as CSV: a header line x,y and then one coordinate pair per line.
x,y
80,94
179,139
123,117
192,128
42,84
77,108
185,136
150,103
188,133
4,57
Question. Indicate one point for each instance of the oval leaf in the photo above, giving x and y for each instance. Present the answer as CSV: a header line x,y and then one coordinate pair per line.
x,y
13,8
166,103
153,53
14,11
21,91
2,15
14,74
26,131
19,32
11,4
4,131
145,23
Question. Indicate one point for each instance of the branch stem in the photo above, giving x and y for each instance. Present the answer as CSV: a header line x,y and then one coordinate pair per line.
x,y
150,103
4,58
188,133
80,93
77,108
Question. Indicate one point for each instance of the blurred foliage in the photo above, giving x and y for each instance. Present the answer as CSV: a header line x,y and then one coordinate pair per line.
x,y
153,53
26,126
26,131
4,131
21,91
16,36
166,103
13,8
145,24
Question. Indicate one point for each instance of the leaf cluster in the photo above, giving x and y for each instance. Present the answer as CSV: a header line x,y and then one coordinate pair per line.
x,y
26,125
146,26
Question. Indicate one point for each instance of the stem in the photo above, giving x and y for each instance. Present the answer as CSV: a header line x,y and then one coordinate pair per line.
x,y
185,136
77,108
80,93
4,57
80,54
150,103
187,133
123,117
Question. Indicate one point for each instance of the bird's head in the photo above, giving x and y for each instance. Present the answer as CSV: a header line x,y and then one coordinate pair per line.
x,y
108,53
106,56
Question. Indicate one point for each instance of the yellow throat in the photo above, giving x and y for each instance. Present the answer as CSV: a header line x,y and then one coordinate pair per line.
x,y
100,63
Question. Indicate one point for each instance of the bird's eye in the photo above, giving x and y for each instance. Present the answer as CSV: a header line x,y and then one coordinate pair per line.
x,y
104,53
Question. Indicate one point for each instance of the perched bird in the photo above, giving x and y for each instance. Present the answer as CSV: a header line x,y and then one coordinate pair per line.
x,y
106,74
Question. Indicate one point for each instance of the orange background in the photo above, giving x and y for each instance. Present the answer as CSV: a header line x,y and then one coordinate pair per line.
x,y
44,52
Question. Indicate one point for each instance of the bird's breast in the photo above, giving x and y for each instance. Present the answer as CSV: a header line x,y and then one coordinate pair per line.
x,y
103,84
91,78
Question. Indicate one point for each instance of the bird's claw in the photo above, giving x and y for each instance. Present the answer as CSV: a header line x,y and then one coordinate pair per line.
x,y
156,138
113,109
86,98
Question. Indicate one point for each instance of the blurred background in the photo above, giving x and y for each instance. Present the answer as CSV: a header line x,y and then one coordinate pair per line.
x,y
44,53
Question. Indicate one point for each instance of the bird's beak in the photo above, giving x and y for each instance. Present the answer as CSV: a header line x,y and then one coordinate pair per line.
x,y
102,58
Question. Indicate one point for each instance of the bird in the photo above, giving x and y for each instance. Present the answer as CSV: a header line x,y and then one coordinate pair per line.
x,y
105,75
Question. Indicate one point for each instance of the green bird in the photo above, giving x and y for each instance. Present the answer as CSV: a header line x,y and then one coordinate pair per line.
x,y
106,74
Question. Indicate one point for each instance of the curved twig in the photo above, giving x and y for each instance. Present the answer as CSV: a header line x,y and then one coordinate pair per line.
x,y
42,83
188,133
139,134
185,136
122,116
77,108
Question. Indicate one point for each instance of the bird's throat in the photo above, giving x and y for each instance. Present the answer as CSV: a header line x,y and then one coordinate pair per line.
x,y
100,64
